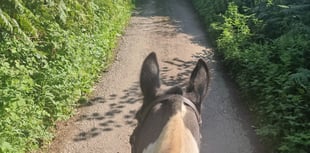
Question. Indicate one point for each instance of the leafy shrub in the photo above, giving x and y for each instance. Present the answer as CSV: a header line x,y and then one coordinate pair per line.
x,y
266,45
50,54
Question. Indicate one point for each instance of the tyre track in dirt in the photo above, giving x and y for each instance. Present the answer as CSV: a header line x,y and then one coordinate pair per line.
x,y
172,30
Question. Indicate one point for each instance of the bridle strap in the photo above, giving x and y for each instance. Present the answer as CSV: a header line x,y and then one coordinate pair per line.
x,y
194,107
143,113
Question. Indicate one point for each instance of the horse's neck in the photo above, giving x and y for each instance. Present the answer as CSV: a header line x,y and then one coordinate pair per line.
x,y
174,138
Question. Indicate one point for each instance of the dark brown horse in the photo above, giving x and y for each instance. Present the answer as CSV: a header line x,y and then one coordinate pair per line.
x,y
169,121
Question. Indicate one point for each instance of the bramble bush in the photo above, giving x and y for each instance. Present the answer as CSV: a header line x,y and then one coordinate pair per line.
x,y
51,52
267,47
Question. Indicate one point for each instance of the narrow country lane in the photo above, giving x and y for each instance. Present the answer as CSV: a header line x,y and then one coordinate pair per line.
x,y
173,31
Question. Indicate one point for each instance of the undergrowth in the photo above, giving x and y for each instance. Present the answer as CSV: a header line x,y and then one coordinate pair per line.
x,y
266,46
51,52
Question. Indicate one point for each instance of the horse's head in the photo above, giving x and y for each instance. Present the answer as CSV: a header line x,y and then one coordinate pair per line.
x,y
169,121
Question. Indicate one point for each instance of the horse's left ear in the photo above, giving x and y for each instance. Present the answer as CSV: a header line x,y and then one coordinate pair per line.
x,y
149,77
198,83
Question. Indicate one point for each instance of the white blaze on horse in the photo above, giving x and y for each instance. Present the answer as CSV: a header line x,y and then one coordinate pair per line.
x,y
169,121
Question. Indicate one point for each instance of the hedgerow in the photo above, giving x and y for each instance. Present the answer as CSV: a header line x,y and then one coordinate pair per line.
x,y
267,47
51,52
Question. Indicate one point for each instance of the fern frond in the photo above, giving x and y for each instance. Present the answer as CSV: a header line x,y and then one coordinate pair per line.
x,y
26,24
302,77
4,21
289,9
18,5
62,9
19,31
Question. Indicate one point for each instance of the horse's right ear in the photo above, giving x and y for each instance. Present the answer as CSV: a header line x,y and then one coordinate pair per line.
x,y
198,83
149,77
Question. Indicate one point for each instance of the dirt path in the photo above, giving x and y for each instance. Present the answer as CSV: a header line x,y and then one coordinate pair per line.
x,y
171,29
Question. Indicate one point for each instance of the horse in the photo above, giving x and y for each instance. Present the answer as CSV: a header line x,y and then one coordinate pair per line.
x,y
169,120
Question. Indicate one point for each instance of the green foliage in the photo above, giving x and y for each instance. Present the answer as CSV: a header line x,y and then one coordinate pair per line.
x,y
234,32
266,45
51,52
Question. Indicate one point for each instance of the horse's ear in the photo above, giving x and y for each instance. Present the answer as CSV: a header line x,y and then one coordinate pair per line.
x,y
149,77
198,83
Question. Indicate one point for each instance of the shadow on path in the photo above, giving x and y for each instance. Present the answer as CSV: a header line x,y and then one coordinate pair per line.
x,y
106,121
